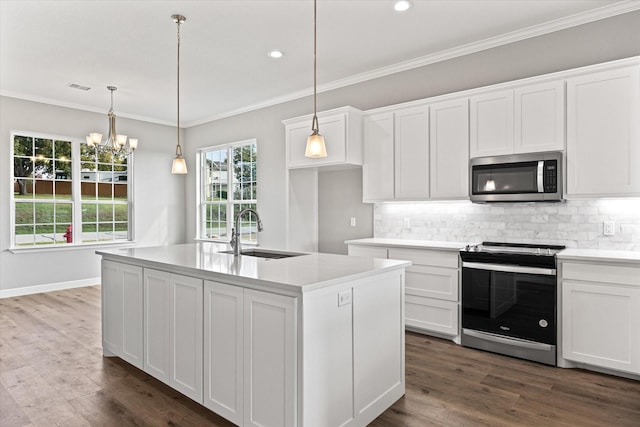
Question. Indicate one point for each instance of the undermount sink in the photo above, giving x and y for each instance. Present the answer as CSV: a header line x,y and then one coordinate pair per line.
x,y
264,254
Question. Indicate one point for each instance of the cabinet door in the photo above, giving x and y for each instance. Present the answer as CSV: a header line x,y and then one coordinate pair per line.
x,y
412,154
186,335
157,306
539,118
432,282
223,353
432,315
334,130
449,150
269,359
122,311
378,165
491,124
601,325
603,130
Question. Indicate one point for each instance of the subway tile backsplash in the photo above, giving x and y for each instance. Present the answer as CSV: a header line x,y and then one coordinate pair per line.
x,y
573,223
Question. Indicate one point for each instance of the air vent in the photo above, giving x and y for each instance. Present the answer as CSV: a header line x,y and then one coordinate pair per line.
x,y
77,86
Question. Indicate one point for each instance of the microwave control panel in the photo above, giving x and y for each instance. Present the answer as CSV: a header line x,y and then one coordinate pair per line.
x,y
550,176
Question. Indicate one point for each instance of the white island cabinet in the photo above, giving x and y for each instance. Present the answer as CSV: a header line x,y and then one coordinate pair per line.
x,y
310,340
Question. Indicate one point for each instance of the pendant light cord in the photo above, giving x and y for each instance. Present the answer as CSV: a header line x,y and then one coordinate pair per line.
x,y
314,124
178,147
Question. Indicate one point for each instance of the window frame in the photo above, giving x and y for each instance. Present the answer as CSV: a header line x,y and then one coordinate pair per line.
x,y
75,200
230,202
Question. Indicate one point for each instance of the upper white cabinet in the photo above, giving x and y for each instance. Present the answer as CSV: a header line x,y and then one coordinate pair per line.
x,y
521,120
601,315
342,131
122,301
603,133
378,165
449,150
491,122
396,152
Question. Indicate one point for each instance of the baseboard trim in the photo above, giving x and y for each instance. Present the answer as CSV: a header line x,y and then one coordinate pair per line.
x,y
38,289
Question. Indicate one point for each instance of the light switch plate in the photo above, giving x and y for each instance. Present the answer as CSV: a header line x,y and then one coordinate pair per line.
x,y
344,298
609,228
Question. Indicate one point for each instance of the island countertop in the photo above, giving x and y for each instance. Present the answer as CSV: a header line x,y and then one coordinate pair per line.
x,y
297,274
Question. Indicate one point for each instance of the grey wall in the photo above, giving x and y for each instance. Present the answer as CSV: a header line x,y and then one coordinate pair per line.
x,y
158,195
340,199
601,41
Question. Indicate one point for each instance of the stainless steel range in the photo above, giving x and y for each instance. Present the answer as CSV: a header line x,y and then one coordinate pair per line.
x,y
509,299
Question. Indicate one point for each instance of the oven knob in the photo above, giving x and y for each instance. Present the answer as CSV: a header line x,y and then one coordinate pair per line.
x,y
467,248
543,323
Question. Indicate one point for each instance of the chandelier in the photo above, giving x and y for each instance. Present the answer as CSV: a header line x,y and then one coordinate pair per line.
x,y
117,144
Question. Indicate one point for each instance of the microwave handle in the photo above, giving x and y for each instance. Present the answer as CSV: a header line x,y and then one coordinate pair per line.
x,y
540,176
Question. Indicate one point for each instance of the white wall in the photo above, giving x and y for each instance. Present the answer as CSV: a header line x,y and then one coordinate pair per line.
x,y
158,195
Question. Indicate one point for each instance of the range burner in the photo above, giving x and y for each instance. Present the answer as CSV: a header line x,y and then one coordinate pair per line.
x,y
524,254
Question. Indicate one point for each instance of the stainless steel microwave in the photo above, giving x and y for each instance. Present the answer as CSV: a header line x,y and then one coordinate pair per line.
x,y
531,177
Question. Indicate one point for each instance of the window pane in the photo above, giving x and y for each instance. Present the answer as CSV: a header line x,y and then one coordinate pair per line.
x,y
89,212
23,188
44,212
23,146
105,213
24,213
64,213
43,189
22,167
62,190
216,221
44,148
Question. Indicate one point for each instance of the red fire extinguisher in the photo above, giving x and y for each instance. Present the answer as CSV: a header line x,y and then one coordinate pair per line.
x,y
69,234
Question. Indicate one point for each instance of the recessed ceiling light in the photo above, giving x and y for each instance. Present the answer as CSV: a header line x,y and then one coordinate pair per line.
x,y
77,86
276,54
402,5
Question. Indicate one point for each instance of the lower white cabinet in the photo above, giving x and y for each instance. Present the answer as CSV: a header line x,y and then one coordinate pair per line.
x,y
601,315
431,286
245,332
122,299
173,331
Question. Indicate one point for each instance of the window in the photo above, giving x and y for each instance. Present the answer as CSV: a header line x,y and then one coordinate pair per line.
x,y
227,186
66,193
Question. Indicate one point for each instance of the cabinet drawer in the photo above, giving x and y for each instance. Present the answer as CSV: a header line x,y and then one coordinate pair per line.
x,y
431,315
432,282
595,272
368,251
426,257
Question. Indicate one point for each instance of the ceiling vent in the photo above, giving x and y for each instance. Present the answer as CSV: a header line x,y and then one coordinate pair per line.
x,y
77,86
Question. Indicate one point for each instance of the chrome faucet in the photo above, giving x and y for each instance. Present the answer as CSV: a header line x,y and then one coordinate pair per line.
x,y
235,232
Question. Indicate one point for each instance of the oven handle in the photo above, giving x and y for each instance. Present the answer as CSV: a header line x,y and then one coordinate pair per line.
x,y
508,341
510,268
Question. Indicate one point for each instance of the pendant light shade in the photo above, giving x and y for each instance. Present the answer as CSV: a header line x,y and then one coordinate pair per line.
x,y
316,147
179,165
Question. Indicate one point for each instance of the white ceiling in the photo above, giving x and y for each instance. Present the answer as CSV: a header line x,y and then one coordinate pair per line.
x,y
46,45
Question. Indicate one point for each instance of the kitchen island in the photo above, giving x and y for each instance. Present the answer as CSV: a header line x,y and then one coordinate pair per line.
x,y
308,339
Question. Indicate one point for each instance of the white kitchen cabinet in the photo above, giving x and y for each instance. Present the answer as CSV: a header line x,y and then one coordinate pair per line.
x,y
603,133
342,131
491,124
601,315
411,148
173,326
432,295
269,359
396,155
539,117
525,119
223,350
122,311
449,150
378,166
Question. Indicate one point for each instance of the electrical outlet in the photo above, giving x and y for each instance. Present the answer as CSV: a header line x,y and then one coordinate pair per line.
x,y
344,298
407,223
609,228
353,221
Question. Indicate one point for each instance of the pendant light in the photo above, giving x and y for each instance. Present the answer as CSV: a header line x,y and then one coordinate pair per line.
x,y
179,165
115,143
315,142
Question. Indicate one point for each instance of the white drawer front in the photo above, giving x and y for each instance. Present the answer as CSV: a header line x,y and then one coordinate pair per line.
x,y
431,315
603,273
432,282
426,257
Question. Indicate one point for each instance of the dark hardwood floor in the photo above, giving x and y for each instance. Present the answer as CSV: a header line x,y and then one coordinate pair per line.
x,y
52,373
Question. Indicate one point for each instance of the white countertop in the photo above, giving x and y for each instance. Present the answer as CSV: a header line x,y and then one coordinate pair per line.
x,y
296,274
410,244
632,257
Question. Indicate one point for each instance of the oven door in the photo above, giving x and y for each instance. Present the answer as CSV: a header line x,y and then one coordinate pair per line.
x,y
509,300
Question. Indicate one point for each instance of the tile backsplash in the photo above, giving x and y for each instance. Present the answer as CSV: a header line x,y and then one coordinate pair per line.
x,y
573,223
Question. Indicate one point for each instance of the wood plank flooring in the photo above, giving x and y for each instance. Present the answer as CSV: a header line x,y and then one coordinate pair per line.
x,y
52,373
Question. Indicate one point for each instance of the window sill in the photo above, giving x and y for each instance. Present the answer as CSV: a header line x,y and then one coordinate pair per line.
x,y
197,239
71,247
